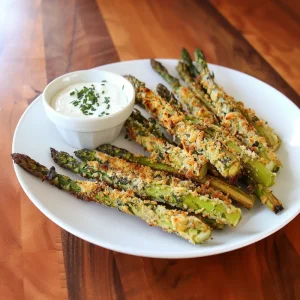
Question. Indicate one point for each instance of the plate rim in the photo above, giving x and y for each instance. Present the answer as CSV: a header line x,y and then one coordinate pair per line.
x,y
127,249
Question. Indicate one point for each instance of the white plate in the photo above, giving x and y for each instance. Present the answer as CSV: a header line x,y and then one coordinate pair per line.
x,y
111,229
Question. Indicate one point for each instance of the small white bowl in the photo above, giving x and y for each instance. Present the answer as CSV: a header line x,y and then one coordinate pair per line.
x,y
82,132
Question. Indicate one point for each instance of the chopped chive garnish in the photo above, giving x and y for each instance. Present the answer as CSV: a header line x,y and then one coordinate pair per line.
x,y
123,87
86,99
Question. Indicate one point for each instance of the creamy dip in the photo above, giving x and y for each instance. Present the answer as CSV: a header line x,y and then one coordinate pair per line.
x,y
92,99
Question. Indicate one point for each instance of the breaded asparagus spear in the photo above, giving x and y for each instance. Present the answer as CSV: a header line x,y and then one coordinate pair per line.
x,y
150,184
188,227
233,121
229,111
233,192
254,165
186,97
186,58
190,164
263,193
192,137
271,138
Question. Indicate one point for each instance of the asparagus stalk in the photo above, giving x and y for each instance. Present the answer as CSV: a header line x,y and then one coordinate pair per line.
x,y
191,137
267,198
189,164
186,58
150,184
230,115
179,222
151,124
233,192
195,87
265,195
186,97
258,171
253,169
238,125
261,126
184,163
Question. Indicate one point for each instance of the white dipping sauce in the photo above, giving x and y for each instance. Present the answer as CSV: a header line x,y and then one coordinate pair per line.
x,y
110,99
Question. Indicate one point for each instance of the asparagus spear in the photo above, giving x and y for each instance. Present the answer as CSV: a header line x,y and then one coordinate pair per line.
x,y
186,97
150,184
195,87
264,194
191,137
153,127
251,169
167,114
186,58
184,165
233,192
262,127
235,122
189,164
254,166
188,227
231,117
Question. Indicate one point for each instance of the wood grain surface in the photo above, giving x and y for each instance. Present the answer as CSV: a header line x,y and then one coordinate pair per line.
x,y
42,39
279,47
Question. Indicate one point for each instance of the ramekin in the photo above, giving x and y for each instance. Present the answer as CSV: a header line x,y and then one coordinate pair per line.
x,y
83,132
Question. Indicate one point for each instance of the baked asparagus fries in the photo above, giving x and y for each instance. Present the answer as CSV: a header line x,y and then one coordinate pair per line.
x,y
162,152
209,84
227,112
193,105
150,184
253,167
191,164
187,98
186,226
260,190
233,192
191,136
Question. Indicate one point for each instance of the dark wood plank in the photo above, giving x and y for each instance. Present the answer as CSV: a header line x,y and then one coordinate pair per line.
x,y
54,37
291,7
75,36
91,271
31,259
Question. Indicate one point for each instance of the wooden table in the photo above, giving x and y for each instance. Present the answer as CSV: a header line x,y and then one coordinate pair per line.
x,y
42,39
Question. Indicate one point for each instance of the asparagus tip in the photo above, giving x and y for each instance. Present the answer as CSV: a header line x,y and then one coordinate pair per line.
x,y
199,53
153,62
51,173
55,154
15,157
